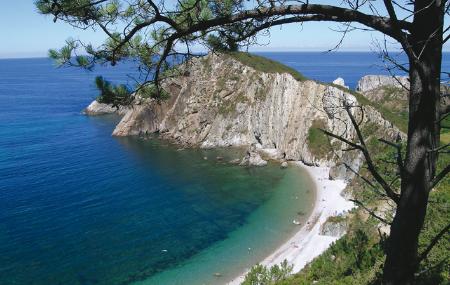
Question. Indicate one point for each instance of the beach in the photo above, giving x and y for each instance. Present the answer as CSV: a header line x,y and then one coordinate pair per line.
x,y
308,243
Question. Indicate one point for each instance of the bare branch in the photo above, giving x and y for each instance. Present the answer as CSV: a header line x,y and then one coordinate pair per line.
x,y
433,242
370,164
399,158
439,176
371,212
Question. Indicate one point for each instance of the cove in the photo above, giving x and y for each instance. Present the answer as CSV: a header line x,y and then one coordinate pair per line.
x,y
229,217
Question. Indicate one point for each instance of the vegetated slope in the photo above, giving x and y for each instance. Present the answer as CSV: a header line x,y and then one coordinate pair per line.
x,y
358,257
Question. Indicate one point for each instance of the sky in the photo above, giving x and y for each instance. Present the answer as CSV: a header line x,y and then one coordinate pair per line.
x,y
26,33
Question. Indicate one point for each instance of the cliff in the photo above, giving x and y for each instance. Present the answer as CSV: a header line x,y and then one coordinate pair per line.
x,y
372,82
239,99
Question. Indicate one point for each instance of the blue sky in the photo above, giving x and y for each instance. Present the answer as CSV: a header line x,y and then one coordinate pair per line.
x,y
26,33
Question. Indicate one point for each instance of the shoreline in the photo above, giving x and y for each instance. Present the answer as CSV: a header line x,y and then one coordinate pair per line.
x,y
307,243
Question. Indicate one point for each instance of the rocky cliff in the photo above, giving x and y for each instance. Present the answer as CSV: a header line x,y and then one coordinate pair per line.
x,y
372,82
220,101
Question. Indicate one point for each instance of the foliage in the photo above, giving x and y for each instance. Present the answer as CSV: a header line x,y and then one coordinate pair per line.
x,y
265,65
358,257
221,43
261,275
318,142
115,95
150,91
399,119
445,131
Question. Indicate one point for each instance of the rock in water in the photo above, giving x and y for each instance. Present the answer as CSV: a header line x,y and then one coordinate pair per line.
x,y
235,161
252,158
284,164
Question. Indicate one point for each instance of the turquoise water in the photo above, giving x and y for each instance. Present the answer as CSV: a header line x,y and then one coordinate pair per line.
x,y
78,206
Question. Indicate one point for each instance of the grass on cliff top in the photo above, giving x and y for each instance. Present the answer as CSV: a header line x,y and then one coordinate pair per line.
x,y
265,65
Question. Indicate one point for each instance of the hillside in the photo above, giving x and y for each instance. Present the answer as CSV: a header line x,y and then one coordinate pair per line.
x,y
237,99
241,100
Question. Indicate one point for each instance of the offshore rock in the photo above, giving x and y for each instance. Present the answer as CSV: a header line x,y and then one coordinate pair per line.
x,y
252,158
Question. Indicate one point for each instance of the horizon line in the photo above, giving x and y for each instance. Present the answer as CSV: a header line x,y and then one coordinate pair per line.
x,y
250,51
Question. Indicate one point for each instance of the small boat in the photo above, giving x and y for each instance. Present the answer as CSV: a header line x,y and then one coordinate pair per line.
x,y
295,222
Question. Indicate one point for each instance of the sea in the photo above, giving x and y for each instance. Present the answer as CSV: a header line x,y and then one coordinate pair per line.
x,y
78,206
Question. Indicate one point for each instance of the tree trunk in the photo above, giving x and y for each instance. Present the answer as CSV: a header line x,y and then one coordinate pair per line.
x,y
423,136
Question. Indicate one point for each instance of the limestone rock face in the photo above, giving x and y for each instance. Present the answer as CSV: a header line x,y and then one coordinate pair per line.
x,y
218,101
371,82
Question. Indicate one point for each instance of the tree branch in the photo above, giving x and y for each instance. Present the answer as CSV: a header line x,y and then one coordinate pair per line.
x,y
371,212
370,164
399,157
433,242
439,176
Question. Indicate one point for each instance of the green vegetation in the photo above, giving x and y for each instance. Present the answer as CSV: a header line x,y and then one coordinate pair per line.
x,y
354,259
399,119
318,142
261,275
112,94
265,65
150,91
358,257
337,219
445,138
445,132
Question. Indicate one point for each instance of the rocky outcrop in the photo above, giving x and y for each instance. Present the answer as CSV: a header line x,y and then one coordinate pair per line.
x,y
218,101
335,226
371,82
340,81
96,108
253,158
